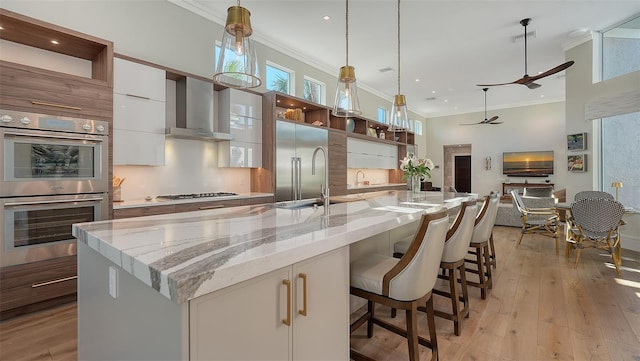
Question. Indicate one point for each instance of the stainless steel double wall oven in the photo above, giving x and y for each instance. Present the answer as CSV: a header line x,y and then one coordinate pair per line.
x,y
53,173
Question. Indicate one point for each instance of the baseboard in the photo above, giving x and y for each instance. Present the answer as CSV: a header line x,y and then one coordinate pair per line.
x,y
630,243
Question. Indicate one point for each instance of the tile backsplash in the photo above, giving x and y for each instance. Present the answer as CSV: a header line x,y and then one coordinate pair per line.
x,y
190,167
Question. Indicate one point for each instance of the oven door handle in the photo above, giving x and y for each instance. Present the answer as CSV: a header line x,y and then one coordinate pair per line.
x,y
70,137
51,202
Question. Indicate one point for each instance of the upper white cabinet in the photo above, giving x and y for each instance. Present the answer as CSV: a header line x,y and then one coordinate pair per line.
x,y
366,154
138,114
240,114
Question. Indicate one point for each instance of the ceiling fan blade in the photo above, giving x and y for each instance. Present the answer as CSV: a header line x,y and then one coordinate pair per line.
x,y
493,118
497,84
495,123
557,69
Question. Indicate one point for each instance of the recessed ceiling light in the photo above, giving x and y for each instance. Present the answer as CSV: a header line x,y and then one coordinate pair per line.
x,y
446,100
1,28
455,108
417,79
326,17
278,101
433,92
541,95
55,42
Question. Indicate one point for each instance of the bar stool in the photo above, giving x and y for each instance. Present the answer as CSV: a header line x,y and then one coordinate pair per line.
x,y
404,283
455,249
482,235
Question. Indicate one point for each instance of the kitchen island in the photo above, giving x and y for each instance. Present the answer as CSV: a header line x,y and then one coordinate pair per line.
x,y
222,283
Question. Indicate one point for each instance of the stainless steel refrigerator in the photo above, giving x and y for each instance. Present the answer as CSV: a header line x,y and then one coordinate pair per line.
x,y
294,148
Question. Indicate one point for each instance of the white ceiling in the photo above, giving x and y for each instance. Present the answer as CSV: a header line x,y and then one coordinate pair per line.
x,y
450,46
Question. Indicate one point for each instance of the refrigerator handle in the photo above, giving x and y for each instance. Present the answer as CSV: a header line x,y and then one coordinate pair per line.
x,y
294,179
299,178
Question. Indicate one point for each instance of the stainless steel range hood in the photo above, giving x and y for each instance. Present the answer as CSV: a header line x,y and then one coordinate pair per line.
x,y
195,112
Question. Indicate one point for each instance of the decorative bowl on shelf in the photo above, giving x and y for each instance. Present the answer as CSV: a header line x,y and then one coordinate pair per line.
x,y
351,125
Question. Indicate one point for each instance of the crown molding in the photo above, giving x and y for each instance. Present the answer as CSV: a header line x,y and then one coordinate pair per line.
x,y
579,40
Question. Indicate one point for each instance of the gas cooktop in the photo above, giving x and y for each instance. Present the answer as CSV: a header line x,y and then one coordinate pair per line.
x,y
197,195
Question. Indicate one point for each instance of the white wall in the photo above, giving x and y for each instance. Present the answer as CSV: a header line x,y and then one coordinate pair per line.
x,y
535,127
581,90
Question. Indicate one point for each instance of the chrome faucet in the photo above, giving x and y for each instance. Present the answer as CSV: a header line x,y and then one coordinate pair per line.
x,y
325,188
358,172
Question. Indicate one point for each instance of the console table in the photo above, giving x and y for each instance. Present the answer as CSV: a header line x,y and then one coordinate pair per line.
x,y
508,187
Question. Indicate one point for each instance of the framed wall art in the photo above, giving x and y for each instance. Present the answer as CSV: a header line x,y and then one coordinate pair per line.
x,y
577,163
577,141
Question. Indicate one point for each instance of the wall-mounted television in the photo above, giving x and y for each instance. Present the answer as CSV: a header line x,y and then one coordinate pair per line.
x,y
527,164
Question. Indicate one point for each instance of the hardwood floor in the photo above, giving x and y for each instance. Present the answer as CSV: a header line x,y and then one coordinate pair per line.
x,y
540,308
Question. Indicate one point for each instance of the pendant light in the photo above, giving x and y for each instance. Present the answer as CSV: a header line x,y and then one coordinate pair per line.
x,y
237,64
399,120
347,103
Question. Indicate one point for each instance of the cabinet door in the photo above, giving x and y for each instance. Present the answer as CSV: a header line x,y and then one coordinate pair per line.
x,y
323,334
242,322
143,115
137,148
138,80
245,129
244,103
239,154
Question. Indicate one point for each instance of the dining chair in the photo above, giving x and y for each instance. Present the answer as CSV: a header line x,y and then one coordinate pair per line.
x,y
455,249
592,194
404,283
542,221
479,246
595,224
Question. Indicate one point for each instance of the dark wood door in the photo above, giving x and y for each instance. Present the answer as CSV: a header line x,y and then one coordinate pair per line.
x,y
463,173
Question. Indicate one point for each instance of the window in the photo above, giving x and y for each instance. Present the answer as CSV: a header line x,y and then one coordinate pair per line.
x,y
621,49
417,127
620,163
279,78
382,115
314,91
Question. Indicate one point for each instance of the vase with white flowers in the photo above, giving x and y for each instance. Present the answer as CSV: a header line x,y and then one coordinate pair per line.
x,y
415,170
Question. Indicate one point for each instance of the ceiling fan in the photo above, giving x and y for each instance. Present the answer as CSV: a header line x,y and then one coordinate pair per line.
x,y
492,120
527,80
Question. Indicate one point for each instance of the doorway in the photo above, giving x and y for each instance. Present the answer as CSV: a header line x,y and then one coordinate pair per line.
x,y
462,171
450,152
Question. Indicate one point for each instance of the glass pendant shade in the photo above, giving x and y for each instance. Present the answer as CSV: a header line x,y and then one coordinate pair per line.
x,y
237,63
346,103
399,120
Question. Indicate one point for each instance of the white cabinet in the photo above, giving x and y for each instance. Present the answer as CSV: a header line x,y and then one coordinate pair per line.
x,y
247,321
138,114
240,114
366,154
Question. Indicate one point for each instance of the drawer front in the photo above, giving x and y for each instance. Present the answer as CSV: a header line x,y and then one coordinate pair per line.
x,y
30,283
142,211
48,92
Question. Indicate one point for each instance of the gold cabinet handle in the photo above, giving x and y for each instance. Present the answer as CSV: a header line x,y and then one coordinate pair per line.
x,y
36,102
36,285
303,311
287,321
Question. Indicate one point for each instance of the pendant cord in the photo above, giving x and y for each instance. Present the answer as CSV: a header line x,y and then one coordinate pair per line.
x,y
485,103
398,46
347,30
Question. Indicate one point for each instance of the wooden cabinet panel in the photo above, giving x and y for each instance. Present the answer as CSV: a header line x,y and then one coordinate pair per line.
x,y
31,283
49,92
337,162
188,207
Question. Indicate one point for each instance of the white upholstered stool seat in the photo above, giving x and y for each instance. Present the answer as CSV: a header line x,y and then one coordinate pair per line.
x,y
367,272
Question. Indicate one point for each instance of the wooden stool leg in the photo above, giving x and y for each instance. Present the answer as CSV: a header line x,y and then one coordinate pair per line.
x,y
481,274
465,290
431,322
455,305
487,260
493,251
371,307
412,332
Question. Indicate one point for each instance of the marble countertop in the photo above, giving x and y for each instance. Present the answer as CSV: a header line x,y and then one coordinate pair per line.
x,y
186,255
134,203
